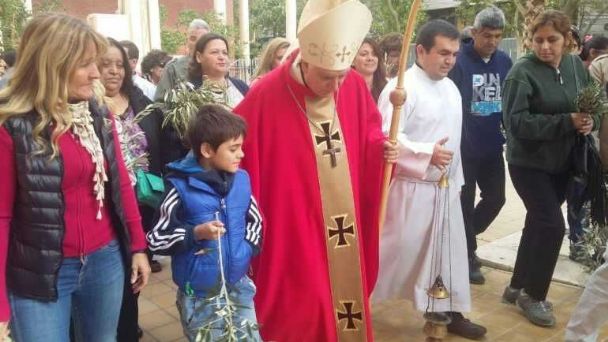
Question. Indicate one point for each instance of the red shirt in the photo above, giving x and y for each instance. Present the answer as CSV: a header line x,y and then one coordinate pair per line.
x,y
84,233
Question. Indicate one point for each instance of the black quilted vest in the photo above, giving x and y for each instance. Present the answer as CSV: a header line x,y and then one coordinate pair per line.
x,y
37,227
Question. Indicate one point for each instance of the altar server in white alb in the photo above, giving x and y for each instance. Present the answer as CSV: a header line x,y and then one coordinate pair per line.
x,y
429,138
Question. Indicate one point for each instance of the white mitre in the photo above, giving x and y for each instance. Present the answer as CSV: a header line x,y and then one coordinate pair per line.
x,y
331,31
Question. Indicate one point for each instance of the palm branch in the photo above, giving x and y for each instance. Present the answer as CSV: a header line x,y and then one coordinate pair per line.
x,y
182,102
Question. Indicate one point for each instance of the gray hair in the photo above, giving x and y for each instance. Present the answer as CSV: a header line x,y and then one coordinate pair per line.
x,y
491,17
199,24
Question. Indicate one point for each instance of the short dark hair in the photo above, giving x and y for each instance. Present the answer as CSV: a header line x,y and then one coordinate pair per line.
x,y
154,58
576,36
437,27
127,82
9,57
132,50
195,71
214,125
598,43
391,42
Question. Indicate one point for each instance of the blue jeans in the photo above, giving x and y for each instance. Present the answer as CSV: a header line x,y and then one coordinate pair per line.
x,y
88,290
196,312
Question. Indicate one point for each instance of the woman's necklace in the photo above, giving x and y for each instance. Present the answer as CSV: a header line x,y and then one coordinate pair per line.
x,y
220,84
219,88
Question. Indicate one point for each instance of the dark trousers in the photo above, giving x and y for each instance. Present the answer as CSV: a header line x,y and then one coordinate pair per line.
x,y
575,215
129,312
127,324
541,239
489,174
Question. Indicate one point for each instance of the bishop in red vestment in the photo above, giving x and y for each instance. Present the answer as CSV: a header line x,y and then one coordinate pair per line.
x,y
294,296
315,153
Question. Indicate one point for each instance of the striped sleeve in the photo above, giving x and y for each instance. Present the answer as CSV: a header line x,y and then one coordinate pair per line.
x,y
253,229
169,235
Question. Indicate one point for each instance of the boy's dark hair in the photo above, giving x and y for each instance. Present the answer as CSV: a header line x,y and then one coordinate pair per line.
x,y
437,27
214,125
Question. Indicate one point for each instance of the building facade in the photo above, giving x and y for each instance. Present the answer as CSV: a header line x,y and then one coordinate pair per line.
x,y
82,8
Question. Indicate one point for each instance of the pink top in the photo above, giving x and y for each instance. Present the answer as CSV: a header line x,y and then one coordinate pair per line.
x,y
84,234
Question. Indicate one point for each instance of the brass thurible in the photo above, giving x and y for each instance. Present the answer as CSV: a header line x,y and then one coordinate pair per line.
x,y
436,326
435,331
438,290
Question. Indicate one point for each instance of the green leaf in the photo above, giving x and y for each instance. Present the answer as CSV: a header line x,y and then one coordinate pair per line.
x,y
591,99
592,244
13,16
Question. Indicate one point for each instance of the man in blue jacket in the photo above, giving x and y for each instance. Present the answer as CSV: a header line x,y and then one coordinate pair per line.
x,y
479,75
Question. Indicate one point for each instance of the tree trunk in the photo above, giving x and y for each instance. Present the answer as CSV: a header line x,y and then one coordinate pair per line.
x,y
396,27
571,7
533,9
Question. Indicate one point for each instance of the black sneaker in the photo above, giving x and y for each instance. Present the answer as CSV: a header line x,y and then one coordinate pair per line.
x,y
465,328
475,275
475,260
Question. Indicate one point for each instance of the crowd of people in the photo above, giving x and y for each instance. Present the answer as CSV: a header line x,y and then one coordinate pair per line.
x,y
268,201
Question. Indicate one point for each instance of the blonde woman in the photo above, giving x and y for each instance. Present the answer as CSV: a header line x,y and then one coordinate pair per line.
x,y
271,57
68,214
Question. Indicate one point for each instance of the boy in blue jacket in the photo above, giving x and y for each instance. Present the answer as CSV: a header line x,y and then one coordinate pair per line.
x,y
210,224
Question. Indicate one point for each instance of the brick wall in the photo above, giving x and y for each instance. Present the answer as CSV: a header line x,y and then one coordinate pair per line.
x,y
82,8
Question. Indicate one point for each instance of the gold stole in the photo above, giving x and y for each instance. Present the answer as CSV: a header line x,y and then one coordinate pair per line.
x,y
340,223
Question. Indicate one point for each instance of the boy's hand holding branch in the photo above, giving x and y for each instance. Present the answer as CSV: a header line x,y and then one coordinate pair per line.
x,y
209,231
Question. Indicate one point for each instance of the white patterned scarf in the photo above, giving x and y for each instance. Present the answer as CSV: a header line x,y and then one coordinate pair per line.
x,y
82,127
